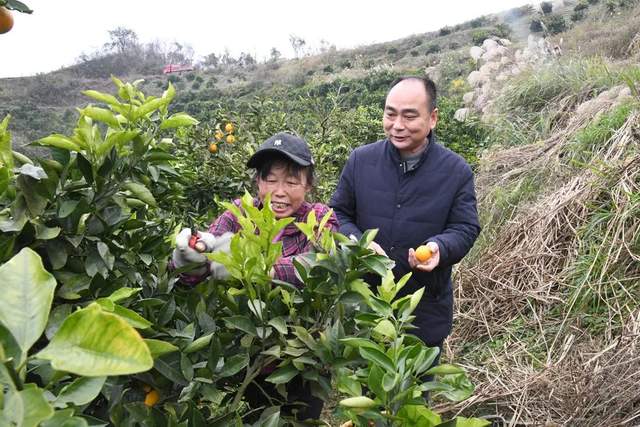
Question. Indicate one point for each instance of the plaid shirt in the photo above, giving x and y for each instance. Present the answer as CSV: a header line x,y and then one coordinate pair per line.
x,y
294,242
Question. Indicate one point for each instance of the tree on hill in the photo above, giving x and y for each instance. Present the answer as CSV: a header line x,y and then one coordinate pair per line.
x,y
122,40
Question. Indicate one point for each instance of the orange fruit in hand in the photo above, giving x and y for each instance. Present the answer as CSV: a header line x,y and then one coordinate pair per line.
x,y
213,148
231,139
6,20
229,127
423,253
151,398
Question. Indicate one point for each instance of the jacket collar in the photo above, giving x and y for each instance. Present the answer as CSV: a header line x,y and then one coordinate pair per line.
x,y
395,153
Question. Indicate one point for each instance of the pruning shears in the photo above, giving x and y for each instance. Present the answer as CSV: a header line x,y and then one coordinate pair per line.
x,y
194,240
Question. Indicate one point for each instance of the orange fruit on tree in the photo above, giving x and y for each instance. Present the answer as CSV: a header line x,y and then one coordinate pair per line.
x,y
423,253
213,148
231,139
229,127
151,398
6,20
219,135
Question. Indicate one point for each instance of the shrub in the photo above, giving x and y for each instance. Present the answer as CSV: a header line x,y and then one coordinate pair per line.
x,y
580,6
502,30
535,26
392,50
328,69
190,77
414,53
445,31
195,85
546,7
478,36
433,48
577,16
479,22
555,24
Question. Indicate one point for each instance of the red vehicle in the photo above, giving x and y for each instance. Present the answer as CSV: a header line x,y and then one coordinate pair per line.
x,y
175,68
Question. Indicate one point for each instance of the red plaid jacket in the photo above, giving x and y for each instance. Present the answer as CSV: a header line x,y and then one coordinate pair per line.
x,y
294,242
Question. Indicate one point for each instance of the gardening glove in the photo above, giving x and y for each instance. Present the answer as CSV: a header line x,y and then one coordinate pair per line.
x,y
186,253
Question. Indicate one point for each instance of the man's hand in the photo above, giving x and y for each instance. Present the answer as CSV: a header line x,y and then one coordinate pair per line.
x,y
429,264
377,249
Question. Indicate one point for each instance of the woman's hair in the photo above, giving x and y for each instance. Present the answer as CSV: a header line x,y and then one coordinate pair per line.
x,y
293,169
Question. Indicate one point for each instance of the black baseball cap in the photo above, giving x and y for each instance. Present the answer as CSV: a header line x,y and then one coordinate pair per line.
x,y
293,147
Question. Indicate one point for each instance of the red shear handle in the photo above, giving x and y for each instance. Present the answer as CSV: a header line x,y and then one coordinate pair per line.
x,y
196,244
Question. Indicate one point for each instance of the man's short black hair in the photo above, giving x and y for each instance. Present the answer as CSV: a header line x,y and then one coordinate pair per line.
x,y
293,169
429,87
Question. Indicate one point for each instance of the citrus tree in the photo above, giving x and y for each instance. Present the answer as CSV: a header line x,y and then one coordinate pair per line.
x,y
95,328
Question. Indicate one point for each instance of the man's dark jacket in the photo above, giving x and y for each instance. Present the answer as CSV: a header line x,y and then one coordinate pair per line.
x,y
434,201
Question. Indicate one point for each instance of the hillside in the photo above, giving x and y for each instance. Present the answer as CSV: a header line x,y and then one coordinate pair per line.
x,y
42,104
547,313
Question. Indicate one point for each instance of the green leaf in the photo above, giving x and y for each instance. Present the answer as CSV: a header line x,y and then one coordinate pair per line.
x,y
377,357
234,364
199,344
389,381
150,105
130,316
102,97
241,322
357,402
27,293
305,337
445,369
381,307
386,328
123,293
92,342
46,233
59,141
26,408
65,418
361,342
374,382
79,392
416,297
67,207
101,115
280,324
141,192
419,416
178,120
349,386
157,347
471,422
283,375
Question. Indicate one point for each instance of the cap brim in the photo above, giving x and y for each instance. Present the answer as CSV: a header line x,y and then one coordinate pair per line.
x,y
257,158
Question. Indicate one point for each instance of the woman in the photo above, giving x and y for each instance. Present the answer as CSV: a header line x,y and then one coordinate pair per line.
x,y
284,169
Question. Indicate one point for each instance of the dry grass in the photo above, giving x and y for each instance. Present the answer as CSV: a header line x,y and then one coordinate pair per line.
x,y
547,313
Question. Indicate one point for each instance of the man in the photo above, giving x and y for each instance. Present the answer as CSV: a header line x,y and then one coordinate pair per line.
x,y
415,192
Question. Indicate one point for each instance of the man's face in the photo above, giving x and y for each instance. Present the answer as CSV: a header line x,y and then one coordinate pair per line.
x,y
407,121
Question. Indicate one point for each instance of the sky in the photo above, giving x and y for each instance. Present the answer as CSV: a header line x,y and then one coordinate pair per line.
x,y
58,32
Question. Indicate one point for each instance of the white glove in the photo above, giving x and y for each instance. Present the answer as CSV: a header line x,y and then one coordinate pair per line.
x,y
183,254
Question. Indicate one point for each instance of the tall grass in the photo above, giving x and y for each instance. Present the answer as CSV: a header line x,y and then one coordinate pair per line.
x,y
589,140
540,99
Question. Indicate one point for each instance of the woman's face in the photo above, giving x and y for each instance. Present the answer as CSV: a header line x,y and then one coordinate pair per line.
x,y
287,191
